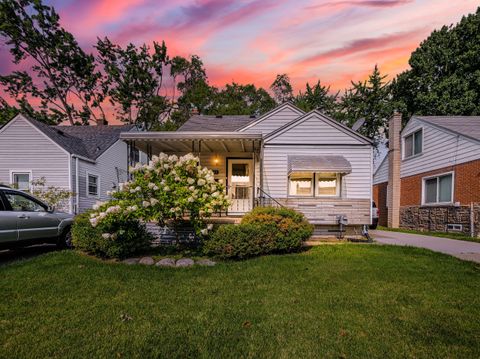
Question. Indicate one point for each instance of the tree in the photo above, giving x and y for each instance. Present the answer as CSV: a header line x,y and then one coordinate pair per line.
x,y
444,74
370,100
7,112
317,97
282,89
62,76
133,79
236,99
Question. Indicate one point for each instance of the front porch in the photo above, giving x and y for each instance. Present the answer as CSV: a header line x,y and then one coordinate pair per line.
x,y
234,158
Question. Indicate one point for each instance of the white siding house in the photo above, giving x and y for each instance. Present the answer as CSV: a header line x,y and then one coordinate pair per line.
x,y
309,162
31,150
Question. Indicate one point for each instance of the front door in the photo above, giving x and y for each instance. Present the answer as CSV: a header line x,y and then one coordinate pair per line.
x,y
240,185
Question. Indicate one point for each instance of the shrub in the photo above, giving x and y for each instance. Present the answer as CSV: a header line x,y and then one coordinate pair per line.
x,y
117,239
262,231
240,241
291,227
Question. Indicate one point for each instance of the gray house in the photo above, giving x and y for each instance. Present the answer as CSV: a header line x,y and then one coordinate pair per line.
x,y
86,160
286,157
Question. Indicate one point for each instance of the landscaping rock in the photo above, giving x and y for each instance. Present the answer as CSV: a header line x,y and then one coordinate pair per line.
x,y
147,261
166,262
185,262
206,262
130,261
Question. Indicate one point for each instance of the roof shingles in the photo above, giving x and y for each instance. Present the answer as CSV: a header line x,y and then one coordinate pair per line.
x,y
216,124
468,126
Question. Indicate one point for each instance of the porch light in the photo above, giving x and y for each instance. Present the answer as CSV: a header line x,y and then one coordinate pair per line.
x,y
216,160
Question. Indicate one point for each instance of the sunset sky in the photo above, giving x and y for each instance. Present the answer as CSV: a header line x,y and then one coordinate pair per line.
x,y
251,41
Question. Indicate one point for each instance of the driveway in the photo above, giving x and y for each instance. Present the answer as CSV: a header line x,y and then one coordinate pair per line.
x,y
460,249
18,254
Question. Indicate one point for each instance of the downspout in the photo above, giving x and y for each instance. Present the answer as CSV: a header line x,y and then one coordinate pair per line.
x,y
77,192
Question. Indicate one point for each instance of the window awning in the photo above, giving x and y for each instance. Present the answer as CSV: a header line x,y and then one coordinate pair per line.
x,y
327,163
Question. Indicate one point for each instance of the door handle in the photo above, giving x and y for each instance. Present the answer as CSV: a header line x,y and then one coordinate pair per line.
x,y
23,216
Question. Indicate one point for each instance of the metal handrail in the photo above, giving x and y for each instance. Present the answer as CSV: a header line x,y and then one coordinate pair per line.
x,y
265,194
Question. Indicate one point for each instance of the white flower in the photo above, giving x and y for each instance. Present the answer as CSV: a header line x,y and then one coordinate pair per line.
x,y
201,182
166,188
145,204
155,188
138,189
132,190
154,201
177,179
204,231
215,194
151,185
191,188
190,180
210,226
190,199
134,208
93,222
92,215
106,235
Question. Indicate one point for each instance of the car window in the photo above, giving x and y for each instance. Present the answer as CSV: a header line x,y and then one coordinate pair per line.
x,y
22,203
2,206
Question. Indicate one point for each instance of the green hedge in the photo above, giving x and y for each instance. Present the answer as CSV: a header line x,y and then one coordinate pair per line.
x,y
130,238
264,230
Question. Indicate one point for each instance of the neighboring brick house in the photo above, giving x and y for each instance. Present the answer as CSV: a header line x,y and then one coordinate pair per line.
x,y
438,187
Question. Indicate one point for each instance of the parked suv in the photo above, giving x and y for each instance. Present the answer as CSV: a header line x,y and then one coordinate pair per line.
x,y
375,215
25,220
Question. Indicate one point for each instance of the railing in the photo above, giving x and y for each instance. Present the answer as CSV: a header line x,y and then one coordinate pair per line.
x,y
265,200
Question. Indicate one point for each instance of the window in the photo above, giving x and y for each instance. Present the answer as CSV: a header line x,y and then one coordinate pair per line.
x,y
301,184
314,184
438,189
327,184
22,203
21,179
413,144
92,185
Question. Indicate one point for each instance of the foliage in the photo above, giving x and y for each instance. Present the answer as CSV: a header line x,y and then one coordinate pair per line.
x,y
165,190
7,112
236,99
113,239
291,227
60,71
444,74
262,231
51,195
370,100
282,89
317,97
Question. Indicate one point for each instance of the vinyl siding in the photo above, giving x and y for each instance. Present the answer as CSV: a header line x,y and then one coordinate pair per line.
x,y
355,185
314,130
382,173
111,162
274,121
440,149
23,147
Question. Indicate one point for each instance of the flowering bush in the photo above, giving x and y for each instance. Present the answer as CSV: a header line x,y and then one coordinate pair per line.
x,y
118,239
165,190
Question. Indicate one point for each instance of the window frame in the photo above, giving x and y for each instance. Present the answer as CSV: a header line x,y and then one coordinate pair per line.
x,y
88,182
437,176
21,172
314,194
404,138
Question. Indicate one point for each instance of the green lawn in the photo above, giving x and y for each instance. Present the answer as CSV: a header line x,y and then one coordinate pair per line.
x,y
459,236
333,301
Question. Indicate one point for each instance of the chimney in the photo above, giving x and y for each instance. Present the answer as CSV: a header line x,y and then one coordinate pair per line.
x,y
394,161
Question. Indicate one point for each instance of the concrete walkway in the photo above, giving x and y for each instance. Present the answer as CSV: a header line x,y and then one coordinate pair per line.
x,y
461,249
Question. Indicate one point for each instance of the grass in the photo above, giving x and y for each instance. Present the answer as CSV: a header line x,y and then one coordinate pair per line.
x,y
347,301
450,235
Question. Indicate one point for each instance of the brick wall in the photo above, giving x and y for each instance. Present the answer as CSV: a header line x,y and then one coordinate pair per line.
x,y
466,187
380,198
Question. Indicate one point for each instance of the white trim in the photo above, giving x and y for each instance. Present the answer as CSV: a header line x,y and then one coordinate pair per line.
x,y
412,133
70,202
88,173
321,117
22,171
289,105
438,188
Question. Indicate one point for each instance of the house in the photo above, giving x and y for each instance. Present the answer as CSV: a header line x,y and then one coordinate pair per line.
x,y
430,179
86,160
286,157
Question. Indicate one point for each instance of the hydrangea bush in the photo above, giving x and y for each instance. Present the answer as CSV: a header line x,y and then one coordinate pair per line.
x,y
166,190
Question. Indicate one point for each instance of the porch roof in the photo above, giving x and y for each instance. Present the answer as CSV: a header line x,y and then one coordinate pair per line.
x,y
193,141
327,163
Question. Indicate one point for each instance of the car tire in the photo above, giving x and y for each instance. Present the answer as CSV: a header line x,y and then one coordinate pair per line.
x,y
65,240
